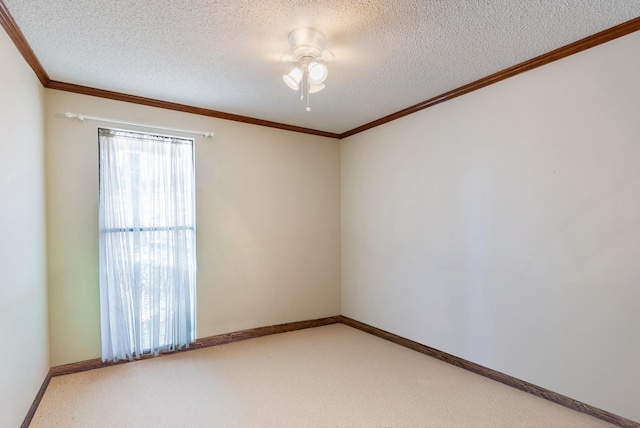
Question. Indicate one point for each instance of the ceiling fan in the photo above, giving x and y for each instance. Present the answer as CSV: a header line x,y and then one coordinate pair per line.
x,y
308,54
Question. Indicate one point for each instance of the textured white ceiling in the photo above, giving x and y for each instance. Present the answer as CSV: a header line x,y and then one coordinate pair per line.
x,y
225,54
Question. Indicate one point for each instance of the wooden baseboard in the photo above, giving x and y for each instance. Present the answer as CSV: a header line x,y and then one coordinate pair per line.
x,y
204,342
282,328
493,374
221,339
36,401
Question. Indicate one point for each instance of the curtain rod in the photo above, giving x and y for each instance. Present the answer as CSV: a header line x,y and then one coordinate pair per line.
x,y
82,118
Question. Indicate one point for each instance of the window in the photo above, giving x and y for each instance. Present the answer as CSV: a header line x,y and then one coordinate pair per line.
x,y
147,243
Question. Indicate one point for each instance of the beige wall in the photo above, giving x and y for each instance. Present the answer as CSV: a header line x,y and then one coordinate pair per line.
x,y
268,223
504,226
23,295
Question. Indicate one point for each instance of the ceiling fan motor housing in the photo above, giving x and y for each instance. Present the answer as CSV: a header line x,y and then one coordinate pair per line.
x,y
306,42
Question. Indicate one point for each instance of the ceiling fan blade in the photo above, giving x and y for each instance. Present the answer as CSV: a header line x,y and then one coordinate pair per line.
x,y
288,58
326,56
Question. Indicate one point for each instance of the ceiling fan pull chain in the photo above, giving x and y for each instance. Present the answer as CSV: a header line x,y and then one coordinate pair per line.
x,y
305,87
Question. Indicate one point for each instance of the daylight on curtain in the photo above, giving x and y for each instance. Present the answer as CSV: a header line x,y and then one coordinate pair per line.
x,y
147,243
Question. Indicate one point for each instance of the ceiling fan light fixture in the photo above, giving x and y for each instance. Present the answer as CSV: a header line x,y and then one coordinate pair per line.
x,y
317,72
316,87
307,50
293,78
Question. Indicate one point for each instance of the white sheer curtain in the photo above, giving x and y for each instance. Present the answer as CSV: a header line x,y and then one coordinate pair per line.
x,y
147,243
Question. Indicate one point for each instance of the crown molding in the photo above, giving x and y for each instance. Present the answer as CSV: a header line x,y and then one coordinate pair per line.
x,y
151,102
563,52
14,32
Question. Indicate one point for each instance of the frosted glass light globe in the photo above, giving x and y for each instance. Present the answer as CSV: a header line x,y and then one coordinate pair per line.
x,y
317,72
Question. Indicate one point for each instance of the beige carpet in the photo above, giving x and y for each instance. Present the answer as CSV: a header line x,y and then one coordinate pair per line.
x,y
332,376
